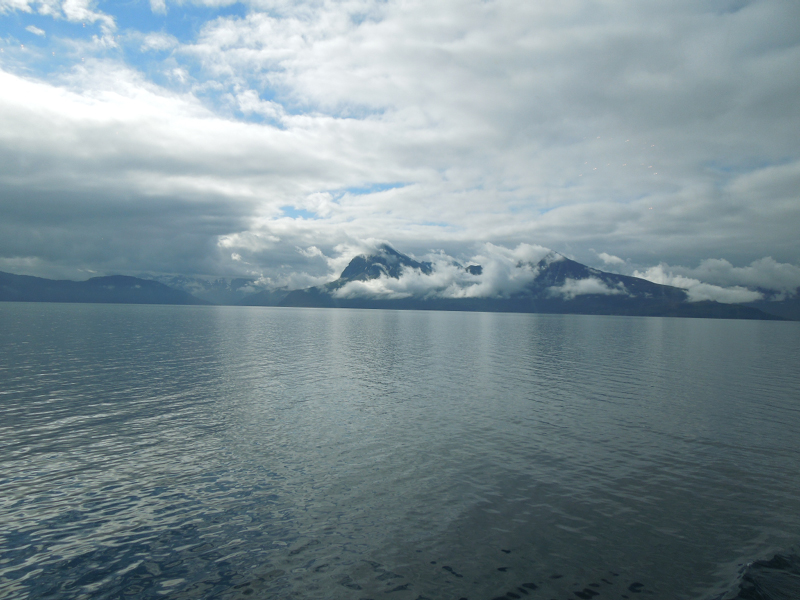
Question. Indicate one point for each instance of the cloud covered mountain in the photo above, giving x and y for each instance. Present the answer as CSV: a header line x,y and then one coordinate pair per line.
x,y
528,278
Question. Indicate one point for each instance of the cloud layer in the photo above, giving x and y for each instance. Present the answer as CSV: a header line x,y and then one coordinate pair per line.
x,y
623,136
581,287
719,280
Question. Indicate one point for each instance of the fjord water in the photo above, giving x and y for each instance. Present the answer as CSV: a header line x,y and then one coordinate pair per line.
x,y
212,452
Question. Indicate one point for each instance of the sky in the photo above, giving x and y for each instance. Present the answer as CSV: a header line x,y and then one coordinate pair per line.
x,y
276,139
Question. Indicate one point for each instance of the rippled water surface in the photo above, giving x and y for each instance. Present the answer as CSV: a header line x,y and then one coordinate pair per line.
x,y
208,452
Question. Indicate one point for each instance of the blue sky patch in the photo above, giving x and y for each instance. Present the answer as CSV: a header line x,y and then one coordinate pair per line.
x,y
372,188
298,213
184,22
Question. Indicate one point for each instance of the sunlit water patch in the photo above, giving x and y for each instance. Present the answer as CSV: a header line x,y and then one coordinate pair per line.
x,y
203,452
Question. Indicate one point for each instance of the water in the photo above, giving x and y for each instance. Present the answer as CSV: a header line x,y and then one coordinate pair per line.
x,y
208,452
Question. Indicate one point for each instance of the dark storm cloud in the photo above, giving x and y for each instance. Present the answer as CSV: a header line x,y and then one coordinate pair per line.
x,y
66,232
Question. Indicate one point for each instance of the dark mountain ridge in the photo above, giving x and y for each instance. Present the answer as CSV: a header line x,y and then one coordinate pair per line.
x,y
113,289
788,308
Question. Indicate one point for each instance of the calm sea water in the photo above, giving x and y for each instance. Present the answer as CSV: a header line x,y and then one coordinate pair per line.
x,y
207,452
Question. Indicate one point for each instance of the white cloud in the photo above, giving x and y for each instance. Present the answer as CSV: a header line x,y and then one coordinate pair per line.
x,y
610,259
158,6
717,279
78,11
410,283
74,11
35,30
158,41
765,273
310,252
388,79
7,6
250,103
582,287
696,289
444,124
505,271
170,143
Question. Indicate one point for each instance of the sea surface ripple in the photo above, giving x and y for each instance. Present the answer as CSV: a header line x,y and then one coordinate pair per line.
x,y
222,452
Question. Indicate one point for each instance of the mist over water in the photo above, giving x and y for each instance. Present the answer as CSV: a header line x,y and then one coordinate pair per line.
x,y
223,452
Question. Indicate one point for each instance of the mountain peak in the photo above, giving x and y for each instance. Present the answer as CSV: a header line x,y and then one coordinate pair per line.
x,y
386,261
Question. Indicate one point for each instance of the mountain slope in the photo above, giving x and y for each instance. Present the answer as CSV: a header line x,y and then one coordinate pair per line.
x,y
264,298
114,289
788,308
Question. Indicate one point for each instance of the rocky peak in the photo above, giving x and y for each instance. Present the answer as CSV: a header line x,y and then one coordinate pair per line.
x,y
385,261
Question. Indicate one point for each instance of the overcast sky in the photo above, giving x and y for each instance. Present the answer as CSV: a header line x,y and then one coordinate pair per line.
x,y
275,138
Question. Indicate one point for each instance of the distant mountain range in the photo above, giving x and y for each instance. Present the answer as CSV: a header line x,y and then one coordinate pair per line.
x,y
555,284
549,283
114,289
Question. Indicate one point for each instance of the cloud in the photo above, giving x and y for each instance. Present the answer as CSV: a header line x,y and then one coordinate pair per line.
x,y
6,6
249,103
325,61
717,279
74,11
81,11
411,283
697,290
582,287
355,115
158,41
310,252
505,271
35,30
765,273
291,281
158,6
610,259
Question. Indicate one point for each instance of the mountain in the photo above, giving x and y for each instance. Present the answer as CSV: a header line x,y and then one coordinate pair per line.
x,y
265,298
541,283
216,290
115,289
385,262
788,308
550,284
